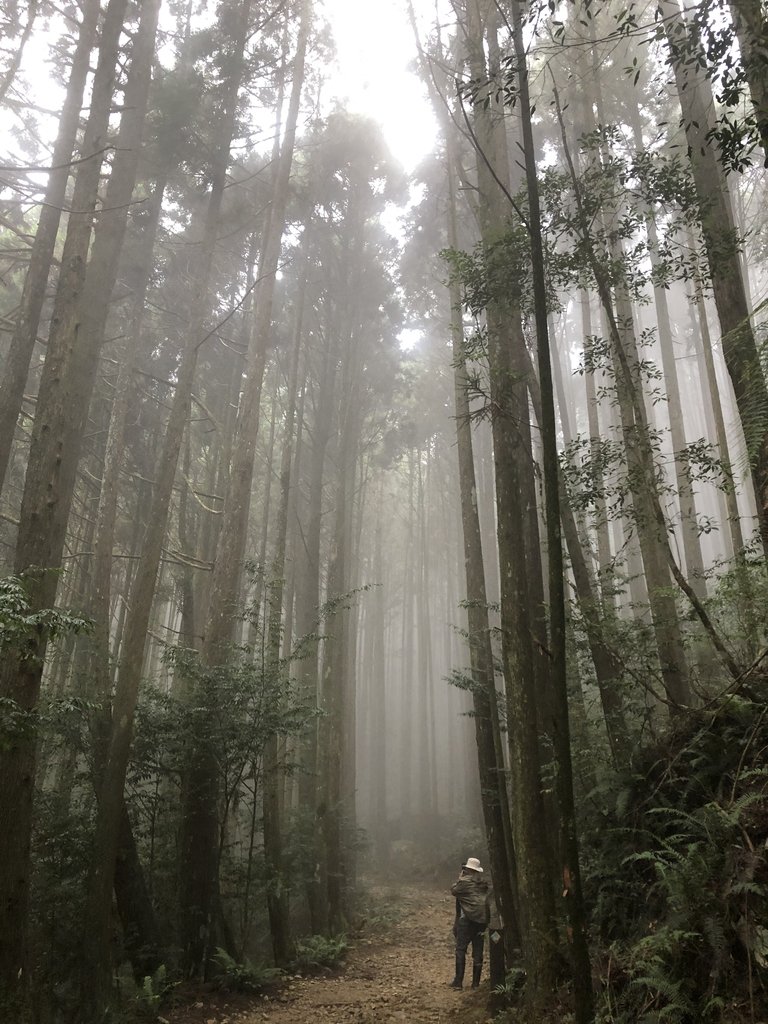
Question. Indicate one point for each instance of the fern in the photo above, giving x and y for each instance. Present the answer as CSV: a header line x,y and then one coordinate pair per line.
x,y
319,952
150,996
234,976
680,890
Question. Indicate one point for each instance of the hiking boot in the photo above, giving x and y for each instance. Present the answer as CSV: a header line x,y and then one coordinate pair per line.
x,y
458,978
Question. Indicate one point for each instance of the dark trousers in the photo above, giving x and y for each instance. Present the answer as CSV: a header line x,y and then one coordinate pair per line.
x,y
468,932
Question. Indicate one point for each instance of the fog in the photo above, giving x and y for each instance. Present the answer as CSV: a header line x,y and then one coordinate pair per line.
x,y
384,462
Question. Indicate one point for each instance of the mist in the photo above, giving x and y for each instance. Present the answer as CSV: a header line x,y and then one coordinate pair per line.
x,y
384,462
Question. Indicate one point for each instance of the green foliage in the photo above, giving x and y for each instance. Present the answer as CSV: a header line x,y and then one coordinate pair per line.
x,y
494,272
21,627
677,874
234,976
61,849
741,593
21,632
151,995
231,709
619,189
320,952
238,704
343,602
377,910
706,41
514,981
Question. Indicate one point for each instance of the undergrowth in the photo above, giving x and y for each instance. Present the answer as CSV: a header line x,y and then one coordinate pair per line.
x,y
677,878
235,976
320,953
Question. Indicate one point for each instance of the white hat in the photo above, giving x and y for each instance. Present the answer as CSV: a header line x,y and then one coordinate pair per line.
x,y
473,864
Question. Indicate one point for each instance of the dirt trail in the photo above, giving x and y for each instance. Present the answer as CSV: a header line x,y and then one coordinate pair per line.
x,y
398,974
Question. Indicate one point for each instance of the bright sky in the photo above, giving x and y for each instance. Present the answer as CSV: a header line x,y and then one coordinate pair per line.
x,y
375,46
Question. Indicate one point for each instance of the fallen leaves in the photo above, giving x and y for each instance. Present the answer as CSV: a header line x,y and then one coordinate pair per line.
x,y
397,975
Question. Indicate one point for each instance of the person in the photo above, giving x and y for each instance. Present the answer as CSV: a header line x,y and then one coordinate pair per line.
x,y
473,914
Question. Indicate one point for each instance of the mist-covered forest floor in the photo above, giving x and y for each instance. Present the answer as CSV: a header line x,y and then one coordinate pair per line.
x,y
396,970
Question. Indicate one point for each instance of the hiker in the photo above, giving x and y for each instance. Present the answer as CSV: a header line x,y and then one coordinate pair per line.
x,y
473,914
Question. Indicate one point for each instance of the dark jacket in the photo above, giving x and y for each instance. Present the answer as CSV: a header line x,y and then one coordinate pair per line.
x,y
472,895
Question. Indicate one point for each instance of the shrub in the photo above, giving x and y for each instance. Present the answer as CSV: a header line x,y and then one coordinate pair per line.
x,y
318,952
677,873
154,990
234,976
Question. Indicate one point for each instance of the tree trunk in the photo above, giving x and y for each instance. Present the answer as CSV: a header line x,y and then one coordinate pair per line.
x,y
33,294
641,474
641,469
142,593
640,462
694,562
62,408
607,666
568,844
490,756
33,9
335,748
135,910
751,24
716,219
704,346
308,613
602,532
378,700
508,396
199,847
277,903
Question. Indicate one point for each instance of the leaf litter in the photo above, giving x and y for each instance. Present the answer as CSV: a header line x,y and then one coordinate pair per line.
x,y
394,973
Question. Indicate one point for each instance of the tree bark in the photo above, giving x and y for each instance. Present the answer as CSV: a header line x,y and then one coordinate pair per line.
x,y
602,532
199,847
61,413
277,903
694,563
142,592
641,470
33,293
335,749
140,929
490,756
378,732
640,458
717,225
509,399
706,356
568,844
751,24
308,611
607,666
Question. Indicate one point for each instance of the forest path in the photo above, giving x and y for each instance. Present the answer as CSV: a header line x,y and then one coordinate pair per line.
x,y
393,974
